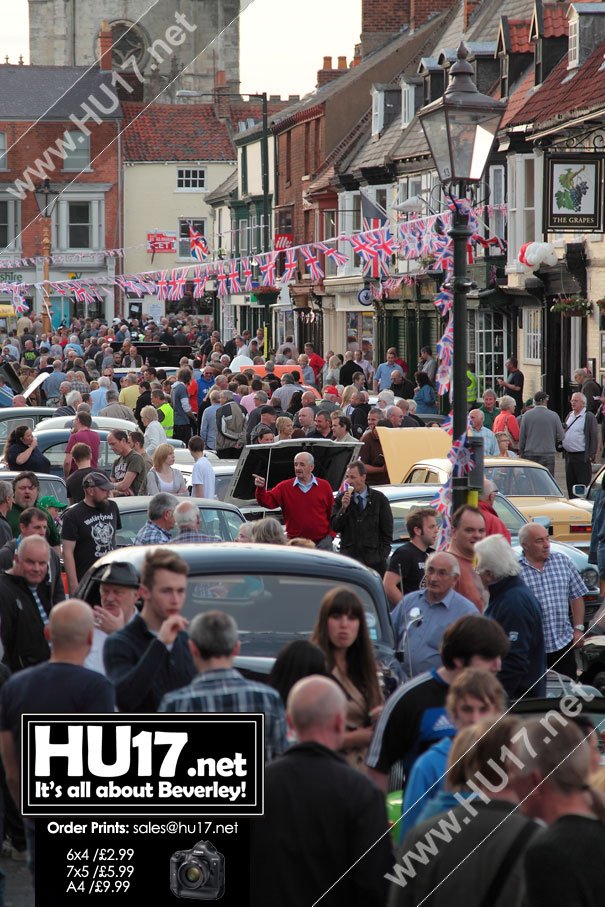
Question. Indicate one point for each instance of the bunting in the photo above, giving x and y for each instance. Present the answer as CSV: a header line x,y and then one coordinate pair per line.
x,y
290,266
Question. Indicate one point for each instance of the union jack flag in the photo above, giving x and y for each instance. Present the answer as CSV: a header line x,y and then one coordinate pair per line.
x,y
332,252
221,277
290,266
267,264
161,286
234,281
312,263
199,283
177,284
198,245
247,272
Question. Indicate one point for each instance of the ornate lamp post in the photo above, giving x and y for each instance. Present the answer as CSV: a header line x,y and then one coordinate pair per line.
x,y
460,128
46,198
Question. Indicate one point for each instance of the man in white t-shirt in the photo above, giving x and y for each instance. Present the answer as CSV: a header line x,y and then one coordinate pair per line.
x,y
202,477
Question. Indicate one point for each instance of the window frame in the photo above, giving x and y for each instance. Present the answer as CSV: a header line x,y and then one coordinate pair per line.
x,y
3,152
82,139
532,335
198,222
573,47
13,223
377,111
191,169
408,103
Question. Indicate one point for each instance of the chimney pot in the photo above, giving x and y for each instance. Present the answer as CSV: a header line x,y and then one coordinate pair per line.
x,y
327,63
342,62
105,46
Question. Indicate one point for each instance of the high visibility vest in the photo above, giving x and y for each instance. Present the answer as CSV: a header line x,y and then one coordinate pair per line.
x,y
168,421
471,387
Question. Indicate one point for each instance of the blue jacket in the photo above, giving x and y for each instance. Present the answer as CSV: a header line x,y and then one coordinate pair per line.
x,y
425,399
518,612
597,538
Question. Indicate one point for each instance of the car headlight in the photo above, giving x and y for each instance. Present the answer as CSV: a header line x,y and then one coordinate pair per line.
x,y
590,577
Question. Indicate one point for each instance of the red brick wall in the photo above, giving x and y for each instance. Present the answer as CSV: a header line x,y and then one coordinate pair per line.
x,y
26,150
420,10
380,21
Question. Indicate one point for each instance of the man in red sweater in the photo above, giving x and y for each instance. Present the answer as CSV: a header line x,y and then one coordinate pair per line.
x,y
493,523
306,502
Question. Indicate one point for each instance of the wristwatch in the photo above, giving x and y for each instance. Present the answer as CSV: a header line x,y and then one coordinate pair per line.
x,y
580,627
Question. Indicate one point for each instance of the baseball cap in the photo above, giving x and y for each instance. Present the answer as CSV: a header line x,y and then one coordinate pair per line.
x,y
97,480
332,390
49,500
121,573
540,396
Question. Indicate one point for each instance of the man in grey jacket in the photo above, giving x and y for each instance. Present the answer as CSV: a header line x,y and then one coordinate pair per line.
x,y
541,433
580,443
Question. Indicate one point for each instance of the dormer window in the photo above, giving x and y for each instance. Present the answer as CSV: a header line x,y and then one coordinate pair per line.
x,y
504,75
408,103
377,111
573,54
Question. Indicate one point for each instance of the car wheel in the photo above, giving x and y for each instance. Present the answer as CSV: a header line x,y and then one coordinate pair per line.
x,y
598,681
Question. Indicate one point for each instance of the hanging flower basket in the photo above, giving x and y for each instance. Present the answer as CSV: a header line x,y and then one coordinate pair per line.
x,y
572,307
601,304
266,294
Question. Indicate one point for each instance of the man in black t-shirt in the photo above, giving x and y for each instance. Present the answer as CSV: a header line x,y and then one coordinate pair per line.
x,y
406,566
89,528
82,457
415,717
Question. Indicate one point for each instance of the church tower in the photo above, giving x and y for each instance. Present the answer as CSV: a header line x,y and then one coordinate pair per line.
x,y
189,39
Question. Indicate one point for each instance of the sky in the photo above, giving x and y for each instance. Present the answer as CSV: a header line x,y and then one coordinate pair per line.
x,y
283,42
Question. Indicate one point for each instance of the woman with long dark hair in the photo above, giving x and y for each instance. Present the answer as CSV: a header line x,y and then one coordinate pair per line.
x,y
341,632
298,659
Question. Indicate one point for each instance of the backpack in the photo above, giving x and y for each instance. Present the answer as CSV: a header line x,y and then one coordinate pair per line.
x,y
230,424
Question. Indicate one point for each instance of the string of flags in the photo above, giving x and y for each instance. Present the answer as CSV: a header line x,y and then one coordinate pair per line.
x,y
463,462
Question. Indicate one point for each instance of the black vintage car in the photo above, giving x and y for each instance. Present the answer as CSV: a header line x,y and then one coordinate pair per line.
x,y
272,592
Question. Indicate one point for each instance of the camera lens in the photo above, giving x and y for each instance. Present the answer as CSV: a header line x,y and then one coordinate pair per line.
x,y
193,874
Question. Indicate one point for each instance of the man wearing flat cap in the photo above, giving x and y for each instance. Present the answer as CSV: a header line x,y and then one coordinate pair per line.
x,y
118,593
89,528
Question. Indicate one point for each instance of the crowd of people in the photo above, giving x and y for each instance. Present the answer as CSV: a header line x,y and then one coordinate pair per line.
x,y
476,627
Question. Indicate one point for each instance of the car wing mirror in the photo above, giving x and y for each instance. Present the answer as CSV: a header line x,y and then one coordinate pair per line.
x,y
579,491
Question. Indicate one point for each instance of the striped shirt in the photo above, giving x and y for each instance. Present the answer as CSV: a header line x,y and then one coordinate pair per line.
x,y
226,690
554,586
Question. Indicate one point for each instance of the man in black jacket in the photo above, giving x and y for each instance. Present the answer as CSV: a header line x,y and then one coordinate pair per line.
x,y
26,598
335,848
363,517
150,656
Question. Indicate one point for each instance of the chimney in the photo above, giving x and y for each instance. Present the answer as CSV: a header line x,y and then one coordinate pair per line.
x,y
469,8
222,104
327,74
381,20
105,43
423,10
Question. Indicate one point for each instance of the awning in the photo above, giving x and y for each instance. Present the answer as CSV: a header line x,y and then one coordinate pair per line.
x,y
506,296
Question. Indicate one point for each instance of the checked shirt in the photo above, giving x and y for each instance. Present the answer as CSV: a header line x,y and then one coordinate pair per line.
x,y
554,587
226,690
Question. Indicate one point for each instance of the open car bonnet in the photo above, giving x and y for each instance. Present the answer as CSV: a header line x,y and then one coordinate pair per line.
x,y
275,462
402,447
8,372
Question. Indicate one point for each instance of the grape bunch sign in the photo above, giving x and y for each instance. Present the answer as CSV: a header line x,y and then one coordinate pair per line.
x,y
574,193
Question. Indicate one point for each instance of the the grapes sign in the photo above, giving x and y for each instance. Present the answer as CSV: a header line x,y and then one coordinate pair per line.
x,y
573,192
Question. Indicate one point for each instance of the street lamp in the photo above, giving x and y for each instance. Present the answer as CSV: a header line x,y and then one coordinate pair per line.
x,y
460,128
46,199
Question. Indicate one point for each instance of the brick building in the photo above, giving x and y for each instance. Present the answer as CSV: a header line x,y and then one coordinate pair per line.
x,y
52,125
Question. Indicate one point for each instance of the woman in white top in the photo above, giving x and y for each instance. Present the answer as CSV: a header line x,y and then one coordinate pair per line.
x,y
163,476
154,430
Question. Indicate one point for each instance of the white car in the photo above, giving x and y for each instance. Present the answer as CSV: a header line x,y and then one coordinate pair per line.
x,y
105,423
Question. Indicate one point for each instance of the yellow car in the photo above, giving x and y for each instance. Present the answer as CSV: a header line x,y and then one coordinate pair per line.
x,y
529,486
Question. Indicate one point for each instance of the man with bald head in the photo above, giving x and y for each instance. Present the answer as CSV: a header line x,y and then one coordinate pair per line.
x,y
306,502
59,685
421,618
339,838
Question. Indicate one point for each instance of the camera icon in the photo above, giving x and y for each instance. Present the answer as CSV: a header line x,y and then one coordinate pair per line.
x,y
198,873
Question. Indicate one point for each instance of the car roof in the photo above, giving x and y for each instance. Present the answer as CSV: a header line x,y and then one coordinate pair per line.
x,y
10,475
64,433
14,412
253,558
444,463
141,502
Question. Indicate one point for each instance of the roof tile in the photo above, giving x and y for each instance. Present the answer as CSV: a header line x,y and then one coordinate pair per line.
x,y
555,20
519,36
562,94
175,132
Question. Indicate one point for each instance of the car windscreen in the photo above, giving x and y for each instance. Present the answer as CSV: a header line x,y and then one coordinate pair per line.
x,y
523,481
269,608
223,524
510,516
